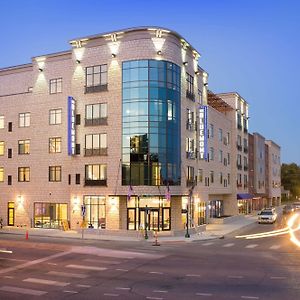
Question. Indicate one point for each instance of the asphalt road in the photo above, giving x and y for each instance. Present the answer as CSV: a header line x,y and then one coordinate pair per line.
x,y
228,268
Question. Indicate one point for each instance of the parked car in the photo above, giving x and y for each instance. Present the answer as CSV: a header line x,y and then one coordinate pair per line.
x,y
288,209
296,205
267,215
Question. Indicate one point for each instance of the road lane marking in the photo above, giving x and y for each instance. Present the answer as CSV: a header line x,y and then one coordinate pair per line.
x,y
101,261
123,270
34,262
52,264
71,292
204,294
154,298
277,277
111,295
123,288
65,274
159,291
9,277
13,259
83,285
207,244
228,245
251,246
153,272
274,247
46,282
235,276
13,289
249,297
193,275
86,267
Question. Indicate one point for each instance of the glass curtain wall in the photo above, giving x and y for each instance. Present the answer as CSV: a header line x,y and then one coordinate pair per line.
x,y
151,123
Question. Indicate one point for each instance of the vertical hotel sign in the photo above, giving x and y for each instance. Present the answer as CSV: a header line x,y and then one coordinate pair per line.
x,y
203,132
71,126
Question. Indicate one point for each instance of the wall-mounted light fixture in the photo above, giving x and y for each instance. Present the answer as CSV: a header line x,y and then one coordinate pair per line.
x,y
205,84
159,52
197,72
113,55
41,70
185,63
78,61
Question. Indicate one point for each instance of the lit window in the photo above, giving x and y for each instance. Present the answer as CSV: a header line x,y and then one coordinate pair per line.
x,y
55,145
24,174
24,147
55,173
55,85
1,148
96,144
1,174
24,120
96,114
1,122
55,116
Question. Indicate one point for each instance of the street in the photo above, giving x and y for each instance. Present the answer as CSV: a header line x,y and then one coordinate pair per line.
x,y
226,268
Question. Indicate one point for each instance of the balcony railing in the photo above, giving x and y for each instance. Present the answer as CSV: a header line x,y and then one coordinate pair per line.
x,y
245,149
239,147
239,185
91,182
245,168
239,166
245,130
239,126
190,182
190,95
95,152
95,89
191,155
95,122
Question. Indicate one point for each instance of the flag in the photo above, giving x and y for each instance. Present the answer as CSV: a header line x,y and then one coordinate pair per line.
x,y
168,193
129,194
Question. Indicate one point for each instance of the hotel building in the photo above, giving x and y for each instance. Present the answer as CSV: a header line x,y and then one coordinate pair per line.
x,y
123,129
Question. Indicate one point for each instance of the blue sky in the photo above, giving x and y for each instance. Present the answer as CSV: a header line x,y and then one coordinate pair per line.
x,y
251,47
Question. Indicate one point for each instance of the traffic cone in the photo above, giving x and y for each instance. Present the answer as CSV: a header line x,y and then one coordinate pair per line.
x,y
26,235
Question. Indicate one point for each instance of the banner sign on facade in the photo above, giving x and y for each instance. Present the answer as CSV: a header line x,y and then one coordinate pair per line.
x,y
203,132
71,126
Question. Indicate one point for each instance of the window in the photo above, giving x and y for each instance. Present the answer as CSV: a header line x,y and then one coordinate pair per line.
x,y
221,177
200,175
55,173
1,148
55,116
95,174
96,76
190,148
24,174
228,138
96,144
220,156
190,175
24,147
9,153
1,122
190,86
190,119
211,130
24,119
96,114
212,176
220,135
9,126
211,153
1,174
55,85
77,179
200,100
228,178
55,145
9,180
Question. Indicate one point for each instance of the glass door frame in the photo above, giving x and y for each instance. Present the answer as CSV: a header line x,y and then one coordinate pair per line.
x,y
8,213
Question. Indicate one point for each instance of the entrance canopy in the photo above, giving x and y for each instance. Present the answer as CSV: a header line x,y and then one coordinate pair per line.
x,y
244,196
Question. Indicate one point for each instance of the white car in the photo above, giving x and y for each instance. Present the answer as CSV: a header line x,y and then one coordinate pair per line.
x,y
267,216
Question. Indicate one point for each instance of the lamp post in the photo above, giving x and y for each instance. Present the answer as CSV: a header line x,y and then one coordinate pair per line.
x,y
187,234
146,223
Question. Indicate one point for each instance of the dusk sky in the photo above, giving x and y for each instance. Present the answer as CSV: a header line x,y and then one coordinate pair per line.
x,y
251,46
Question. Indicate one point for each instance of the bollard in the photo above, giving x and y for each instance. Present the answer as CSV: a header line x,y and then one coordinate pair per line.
x,y
156,243
26,235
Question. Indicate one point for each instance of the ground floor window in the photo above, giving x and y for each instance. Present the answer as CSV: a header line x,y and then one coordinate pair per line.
x,y
50,215
151,213
216,209
244,206
201,211
187,211
95,215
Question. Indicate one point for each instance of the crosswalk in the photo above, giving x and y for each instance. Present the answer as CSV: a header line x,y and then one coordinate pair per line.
x,y
247,246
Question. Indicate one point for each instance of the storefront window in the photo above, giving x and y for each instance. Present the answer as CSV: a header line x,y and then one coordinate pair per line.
x,y
201,210
50,215
95,211
216,209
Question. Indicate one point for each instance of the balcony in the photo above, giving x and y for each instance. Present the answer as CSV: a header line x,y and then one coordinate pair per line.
x,y
95,152
190,182
191,126
239,126
91,182
95,122
190,95
191,155
239,185
239,147
95,89
245,130
239,166
245,149
245,168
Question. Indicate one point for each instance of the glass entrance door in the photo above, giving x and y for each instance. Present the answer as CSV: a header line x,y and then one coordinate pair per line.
x,y
149,218
11,214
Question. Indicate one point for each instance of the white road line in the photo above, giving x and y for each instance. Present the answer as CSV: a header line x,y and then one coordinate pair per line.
x,y
123,288
9,277
65,274
71,292
13,289
154,298
34,262
204,294
46,282
52,264
277,277
83,285
249,297
274,247
228,245
193,275
86,267
123,270
251,246
111,295
207,244
13,259
153,272
159,291
235,276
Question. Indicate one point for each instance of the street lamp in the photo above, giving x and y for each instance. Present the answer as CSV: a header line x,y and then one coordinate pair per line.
x,y
146,223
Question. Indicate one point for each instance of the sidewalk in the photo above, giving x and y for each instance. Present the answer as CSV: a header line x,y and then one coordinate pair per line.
x,y
213,231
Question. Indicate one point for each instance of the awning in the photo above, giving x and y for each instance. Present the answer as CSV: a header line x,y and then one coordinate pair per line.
x,y
244,196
